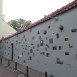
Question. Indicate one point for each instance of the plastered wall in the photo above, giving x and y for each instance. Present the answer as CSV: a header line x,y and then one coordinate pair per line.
x,y
50,46
0,19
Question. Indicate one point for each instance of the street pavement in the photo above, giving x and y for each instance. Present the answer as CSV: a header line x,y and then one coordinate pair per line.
x,y
6,73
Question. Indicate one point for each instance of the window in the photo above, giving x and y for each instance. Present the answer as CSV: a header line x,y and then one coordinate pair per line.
x,y
5,52
16,41
57,35
49,26
33,47
31,50
51,40
61,28
66,39
45,32
22,54
31,43
42,53
60,48
28,53
18,57
46,38
54,48
25,39
38,32
66,53
41,42
70,45
47,54
74,30
33,54
59,61
24,61
30,58
7,42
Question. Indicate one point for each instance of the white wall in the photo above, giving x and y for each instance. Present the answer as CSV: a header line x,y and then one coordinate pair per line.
x,y
7,29
0,17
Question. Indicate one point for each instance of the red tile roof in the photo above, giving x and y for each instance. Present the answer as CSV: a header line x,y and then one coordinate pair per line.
x,y
50,16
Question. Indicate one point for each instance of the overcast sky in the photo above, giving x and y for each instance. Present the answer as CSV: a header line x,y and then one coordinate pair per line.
x,y
31,10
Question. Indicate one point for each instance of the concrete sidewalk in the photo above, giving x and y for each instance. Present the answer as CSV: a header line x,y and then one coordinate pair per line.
x,y
6,73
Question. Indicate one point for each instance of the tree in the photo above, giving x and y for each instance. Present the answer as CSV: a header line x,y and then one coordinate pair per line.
x,y
19,24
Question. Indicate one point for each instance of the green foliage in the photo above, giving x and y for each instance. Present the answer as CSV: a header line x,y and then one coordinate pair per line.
x,y
19,24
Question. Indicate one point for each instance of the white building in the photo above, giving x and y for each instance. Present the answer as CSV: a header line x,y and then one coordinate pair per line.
x,y
5,29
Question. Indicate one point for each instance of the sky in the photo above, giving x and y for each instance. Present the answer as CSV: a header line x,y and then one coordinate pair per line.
x,y
30,10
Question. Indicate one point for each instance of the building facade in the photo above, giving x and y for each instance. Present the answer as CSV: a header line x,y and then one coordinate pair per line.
x,y
5,29
49,44
0,18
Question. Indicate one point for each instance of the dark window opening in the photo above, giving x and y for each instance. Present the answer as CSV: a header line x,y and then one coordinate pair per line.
x,y
45,32
60,47
47,54
24,61
51,40
42,53
54,48
38,32
25,39
66,53
5,52
49,26
28,53
57,35
58,61
74,30
61,28
18,57
31,50
22,54
30,58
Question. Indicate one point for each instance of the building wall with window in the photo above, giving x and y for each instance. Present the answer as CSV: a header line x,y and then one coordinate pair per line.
x,y
50,46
